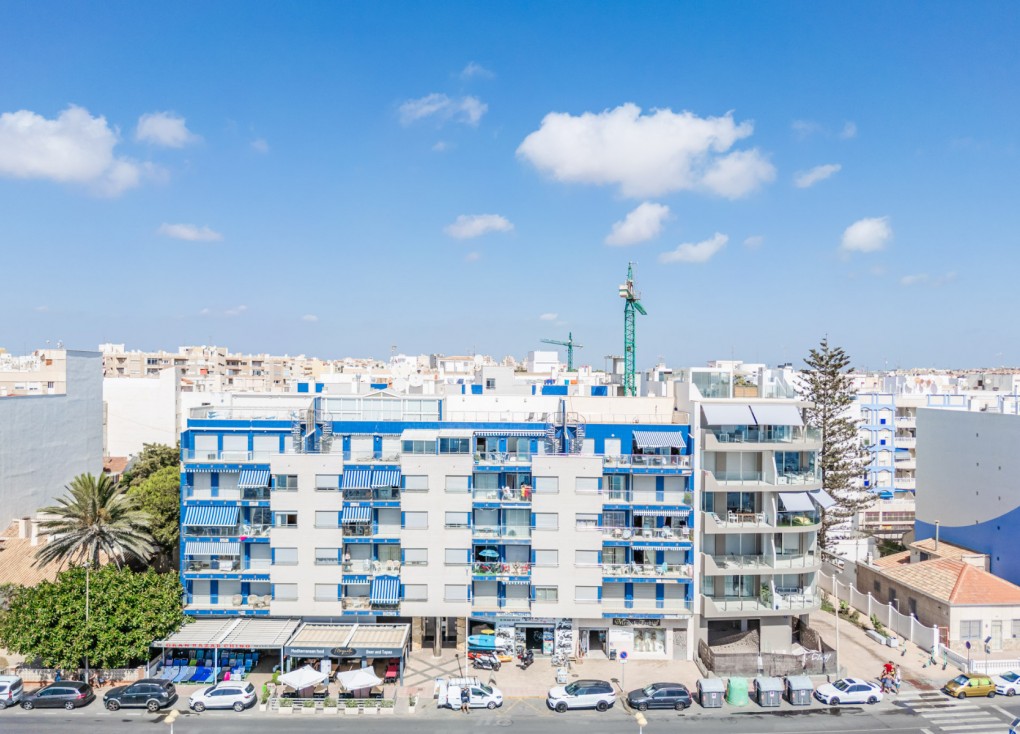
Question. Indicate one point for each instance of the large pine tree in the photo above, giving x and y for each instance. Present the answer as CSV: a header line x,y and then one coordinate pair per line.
x,y
827,385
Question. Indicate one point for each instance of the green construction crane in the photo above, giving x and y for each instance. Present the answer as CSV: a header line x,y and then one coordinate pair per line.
x,y
570,344
633,304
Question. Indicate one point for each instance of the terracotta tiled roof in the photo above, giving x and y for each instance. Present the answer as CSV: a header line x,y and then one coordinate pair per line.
x,y
893,559
945,550
16,558
976,587
115,465
955,582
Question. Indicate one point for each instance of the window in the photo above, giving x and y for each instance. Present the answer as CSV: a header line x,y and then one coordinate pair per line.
x,y
416,520
326,592
455,592
457,483
416,592
284,556
284,592
325,482
490,383
586,520
457,556
416,556
547,593
547,485
418,447
586,484
327,556
547,558
458,519
327,519
547,520
586,558
455,445
1016,628
285,519
416,483
876,587
970,629
912,605
586,594
285,482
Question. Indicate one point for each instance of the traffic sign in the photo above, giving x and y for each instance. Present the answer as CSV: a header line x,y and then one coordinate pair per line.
x,y
623,656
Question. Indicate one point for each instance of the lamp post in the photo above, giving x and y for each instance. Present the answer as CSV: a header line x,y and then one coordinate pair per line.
x,y
835,594
87,571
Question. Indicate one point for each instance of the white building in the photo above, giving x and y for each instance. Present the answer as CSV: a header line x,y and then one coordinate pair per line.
x,y
141,410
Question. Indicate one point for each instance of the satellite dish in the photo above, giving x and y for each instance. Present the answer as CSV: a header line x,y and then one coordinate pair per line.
x,y
400,385
415,380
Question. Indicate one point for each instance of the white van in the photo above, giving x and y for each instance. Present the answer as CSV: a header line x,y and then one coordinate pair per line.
x,y
11,690
447,693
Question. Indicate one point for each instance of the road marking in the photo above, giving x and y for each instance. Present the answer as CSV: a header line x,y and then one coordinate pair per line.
x,y
966,716
1004,712
926,731
967,727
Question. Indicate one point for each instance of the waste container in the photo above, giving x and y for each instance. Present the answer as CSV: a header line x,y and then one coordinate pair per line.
x,y
711,692
736,692
768,691
799,690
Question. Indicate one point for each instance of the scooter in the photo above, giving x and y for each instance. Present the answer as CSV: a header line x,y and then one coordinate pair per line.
x,y
527,657
487,661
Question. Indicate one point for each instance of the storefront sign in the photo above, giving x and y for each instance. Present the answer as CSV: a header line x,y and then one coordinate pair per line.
x,y
630,622
342,652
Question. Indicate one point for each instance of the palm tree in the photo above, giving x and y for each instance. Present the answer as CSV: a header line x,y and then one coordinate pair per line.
x,y
97,517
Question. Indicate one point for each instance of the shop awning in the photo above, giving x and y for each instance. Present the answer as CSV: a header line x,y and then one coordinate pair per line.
x,y
253,479
512,433
796,502
822,498
221,516
301,678
728,415
456,433
202,469
419,434
385,590
203,548
356,513
658,440
781,414
357,479
386,478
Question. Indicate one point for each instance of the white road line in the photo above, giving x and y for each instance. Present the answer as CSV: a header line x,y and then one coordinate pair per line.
x,y
967,727
944,724
1004,712
967,715
926,731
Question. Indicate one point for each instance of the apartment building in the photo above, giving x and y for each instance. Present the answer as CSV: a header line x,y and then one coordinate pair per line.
x,y
564,521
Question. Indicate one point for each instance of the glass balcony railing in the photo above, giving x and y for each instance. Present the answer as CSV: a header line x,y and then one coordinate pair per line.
x,y
628,533
368,530
501,531
369,495
647,570
797,519
371,567
502,457
668,606
766,434
648,497
642,460
506,494
251,494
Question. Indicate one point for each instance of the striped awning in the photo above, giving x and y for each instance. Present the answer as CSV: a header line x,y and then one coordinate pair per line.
x,y
658,440
665,512
357,479
203,548
511,433
355,513
518,582
211,516
385,590
253,479
386,478
202,469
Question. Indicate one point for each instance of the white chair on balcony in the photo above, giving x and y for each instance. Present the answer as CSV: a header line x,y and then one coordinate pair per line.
x,y
760,518
731,517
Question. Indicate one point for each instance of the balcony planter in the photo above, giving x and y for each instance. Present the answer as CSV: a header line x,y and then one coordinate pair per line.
x,y
351,708
386,706
308,708
329,706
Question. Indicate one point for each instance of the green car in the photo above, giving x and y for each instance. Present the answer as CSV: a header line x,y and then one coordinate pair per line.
x,y
964,686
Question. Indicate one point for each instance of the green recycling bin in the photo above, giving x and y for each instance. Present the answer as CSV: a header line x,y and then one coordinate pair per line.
x,y
736,692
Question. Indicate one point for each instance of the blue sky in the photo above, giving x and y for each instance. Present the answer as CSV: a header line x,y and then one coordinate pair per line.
x,y
337,178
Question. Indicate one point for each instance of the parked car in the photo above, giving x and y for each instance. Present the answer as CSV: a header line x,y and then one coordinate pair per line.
x,y
849,690
230,694
11,690
69,694
1007,684
582,694
152,693
447,693
660,696
967,686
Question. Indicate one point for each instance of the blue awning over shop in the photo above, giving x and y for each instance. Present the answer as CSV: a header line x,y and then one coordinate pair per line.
x,y
203,548
385,590
202,469
386,478
658,440
253,479
353,514
357,479
211,516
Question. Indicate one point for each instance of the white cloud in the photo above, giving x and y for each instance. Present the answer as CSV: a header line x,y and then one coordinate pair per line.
x,y
42,309
166,129
647,155
804,129
867,235
548,317
467,226
261,145
909,280
236,310
643,223
468,110
72,148
473,257
190,233
849,131
441,146
807,179
475,70
754,241
923,278
310,317
695,252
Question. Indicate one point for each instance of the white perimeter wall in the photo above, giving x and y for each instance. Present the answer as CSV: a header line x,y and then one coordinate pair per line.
x,y
140,410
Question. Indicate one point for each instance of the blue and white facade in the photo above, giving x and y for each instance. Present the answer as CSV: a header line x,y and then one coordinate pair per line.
x,y
562,521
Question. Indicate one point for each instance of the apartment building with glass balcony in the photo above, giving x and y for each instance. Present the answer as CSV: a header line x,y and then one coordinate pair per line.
x,y
563,521
758,490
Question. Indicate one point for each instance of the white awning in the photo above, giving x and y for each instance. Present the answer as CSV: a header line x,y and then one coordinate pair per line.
x,y
731,414
822,498
781,414
305,677
456,433
658,439
796,501
419,434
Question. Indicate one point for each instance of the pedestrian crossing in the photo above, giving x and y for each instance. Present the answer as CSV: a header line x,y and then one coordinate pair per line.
x,y
951,715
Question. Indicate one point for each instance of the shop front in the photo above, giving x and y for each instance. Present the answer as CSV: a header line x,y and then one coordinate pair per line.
x,y
342,647
641,639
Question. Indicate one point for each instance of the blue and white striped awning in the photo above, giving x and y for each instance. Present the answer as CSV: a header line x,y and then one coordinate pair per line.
x,y
202,469
356,513
518,582
253,479
658,439
386,478
518,433
385,590
203,548
357,479
665,512
211,516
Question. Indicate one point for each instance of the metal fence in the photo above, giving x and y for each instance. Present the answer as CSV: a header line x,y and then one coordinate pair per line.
x,y
905,626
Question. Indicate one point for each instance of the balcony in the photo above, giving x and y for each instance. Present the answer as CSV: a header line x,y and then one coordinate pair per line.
x,y
737,522
648,460
519,532
496,569
798,520
369,530
906,463
681,534
371,457
501,458
379,494
652,606
506,494
234,603
610,496
260,494
799,477
731,565
369,567
905,442
905,483
905,421
757,439
204,565
789,602
648,570
497,603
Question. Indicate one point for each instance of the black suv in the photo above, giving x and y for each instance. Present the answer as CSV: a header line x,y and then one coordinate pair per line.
x,y
660,696
69,694
152,693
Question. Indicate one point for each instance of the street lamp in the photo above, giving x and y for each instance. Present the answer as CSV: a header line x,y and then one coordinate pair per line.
x,y
642,722
86,622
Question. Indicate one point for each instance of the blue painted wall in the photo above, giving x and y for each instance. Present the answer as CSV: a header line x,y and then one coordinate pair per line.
x,y
995,538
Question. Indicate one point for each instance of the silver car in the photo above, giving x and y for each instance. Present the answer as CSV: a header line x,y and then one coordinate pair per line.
x,y
582,694
229,694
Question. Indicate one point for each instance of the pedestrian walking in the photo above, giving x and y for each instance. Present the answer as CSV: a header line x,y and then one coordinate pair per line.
x,y
897,680
465,699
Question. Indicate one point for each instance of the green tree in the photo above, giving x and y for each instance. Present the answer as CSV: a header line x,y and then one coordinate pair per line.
x,y
153,458
159,496
96,517
126,612
828,386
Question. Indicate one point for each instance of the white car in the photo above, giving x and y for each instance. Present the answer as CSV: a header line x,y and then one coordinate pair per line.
x,y
448,693
582,694
1007,684
228,694
849,690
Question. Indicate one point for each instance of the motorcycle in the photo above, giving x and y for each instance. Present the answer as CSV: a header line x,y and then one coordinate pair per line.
x,y
486,661
527,657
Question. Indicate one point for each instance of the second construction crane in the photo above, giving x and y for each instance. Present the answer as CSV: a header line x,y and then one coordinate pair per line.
x,y
570,344
630,309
